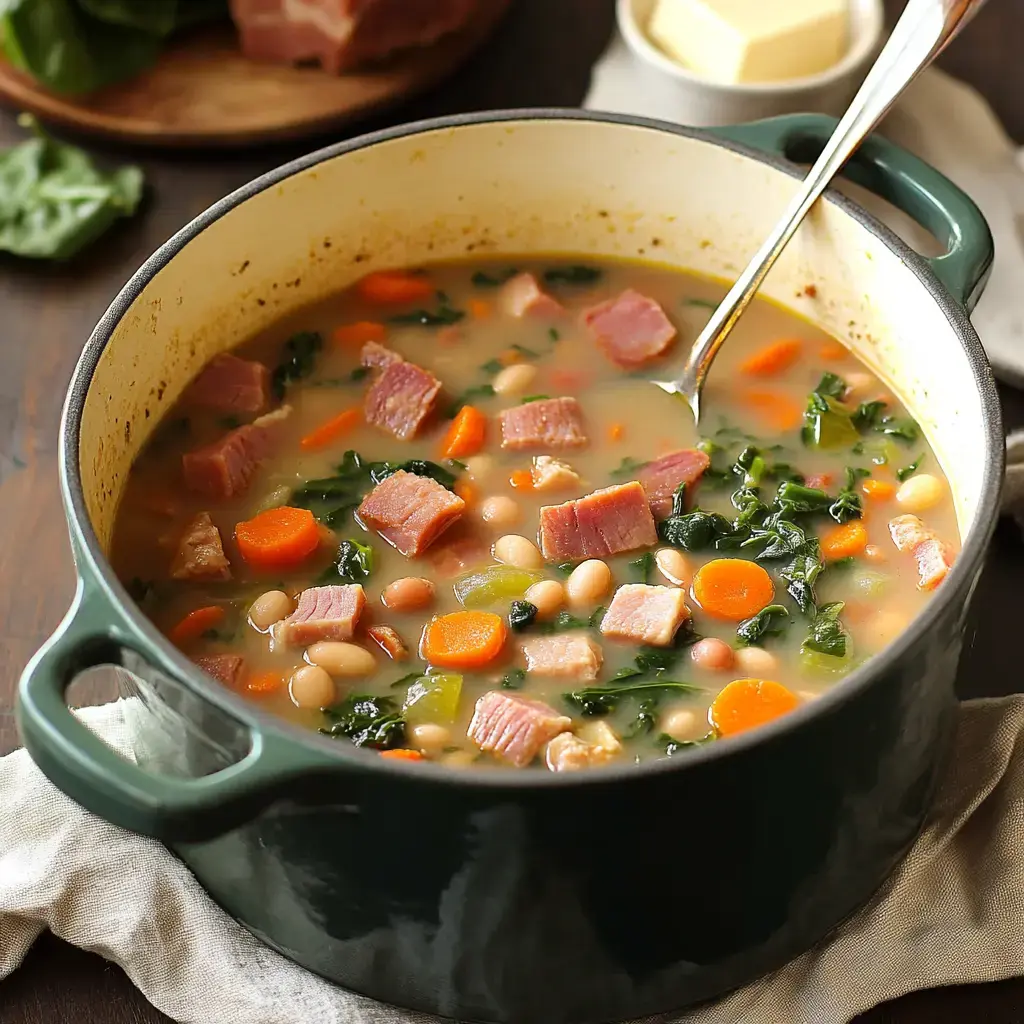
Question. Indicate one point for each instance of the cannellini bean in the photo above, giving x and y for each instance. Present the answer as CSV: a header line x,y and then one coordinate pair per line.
x,y
920,492
756,662
674,566
479,466
408,594
548,596
682,724
518,551
712,654
341,659
311,687
429,737
268,608
875,553
588,582
514,379
499,511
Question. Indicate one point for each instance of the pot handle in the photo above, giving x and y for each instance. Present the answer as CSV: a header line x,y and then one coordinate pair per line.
x,y
894,174
168,808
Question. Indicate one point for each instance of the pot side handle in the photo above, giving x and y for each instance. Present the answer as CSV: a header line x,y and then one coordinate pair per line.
x,y
894,174
94,775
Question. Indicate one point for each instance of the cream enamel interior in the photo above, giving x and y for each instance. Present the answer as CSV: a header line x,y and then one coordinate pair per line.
x,y
546,185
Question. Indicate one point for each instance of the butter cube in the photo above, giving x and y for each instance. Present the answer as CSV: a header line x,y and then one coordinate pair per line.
x,y
752,40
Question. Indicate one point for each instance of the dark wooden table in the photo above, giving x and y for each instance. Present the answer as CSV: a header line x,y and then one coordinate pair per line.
x,y
541,57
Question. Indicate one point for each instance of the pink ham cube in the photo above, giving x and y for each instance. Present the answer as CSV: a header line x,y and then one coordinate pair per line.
x,y
547,423
323,613
410,512
569,656
661,477
228,384
514,728
523,296
402,397
201,553
606,522
631,328
934,558
225,668
645,614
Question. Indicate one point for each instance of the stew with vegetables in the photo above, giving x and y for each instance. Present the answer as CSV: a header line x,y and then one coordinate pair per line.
x,y
446,516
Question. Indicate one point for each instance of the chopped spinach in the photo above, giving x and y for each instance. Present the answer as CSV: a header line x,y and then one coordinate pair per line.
x,y
367,720
645,720
847,505
419,467
443,316
769,621
627,468
826,635
493,366
694,531
482,279
514,679
673,746
352,564
908,471
749,465
796,497
867,415
533,398
800,574
643,567
553,334
572,275
831,385
903,428
565,568
407,680
602,700
702,303
526,353
467,396
521,614
298,358
331,498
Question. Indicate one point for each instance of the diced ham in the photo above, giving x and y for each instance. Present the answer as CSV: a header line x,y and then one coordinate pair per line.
x,y
343,34
225,668
514,728
569,753
645,614
200,552
661,477
934,558
457,553
606,522
631,328
228,384
389,641
523,296
548,423
403,395
323,613
553,475
572,655
224,468
410,512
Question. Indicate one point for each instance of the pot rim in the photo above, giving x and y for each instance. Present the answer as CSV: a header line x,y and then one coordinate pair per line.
x,y
87,546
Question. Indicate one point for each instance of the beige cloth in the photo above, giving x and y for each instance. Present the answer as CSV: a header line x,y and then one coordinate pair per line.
x,y
952,913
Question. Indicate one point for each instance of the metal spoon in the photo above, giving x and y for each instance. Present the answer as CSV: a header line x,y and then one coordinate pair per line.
x,y
920,35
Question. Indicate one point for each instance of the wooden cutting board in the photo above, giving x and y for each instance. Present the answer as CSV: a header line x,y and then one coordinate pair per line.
x,y
203,92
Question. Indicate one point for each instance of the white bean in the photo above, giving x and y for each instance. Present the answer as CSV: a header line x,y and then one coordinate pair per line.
x,y
920,492
268,608
408,594
341,659
713,654
429,737
756,662
499,511
514,379
311,687
682,724
674,566
548,596
518,551
588,582
479,466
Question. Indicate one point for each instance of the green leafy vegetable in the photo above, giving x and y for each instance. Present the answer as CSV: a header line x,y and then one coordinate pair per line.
x,y
769,621
826,635
298,359
493,366
867,415
702,303
602,700
908,471
848,505
420,467
798,498
573,275
673,746
484,280
367,720
831,385
903,428
533,398
694,531
526,353
643,566
800,574
553,334
521,614
513,680
353,563
443,316
467,396
627,468
565,568
406,680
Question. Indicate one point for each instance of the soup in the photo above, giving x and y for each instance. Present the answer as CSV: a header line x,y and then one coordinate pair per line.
x,y
446,515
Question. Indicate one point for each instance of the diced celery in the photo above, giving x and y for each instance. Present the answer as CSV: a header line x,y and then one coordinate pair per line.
x,y
433,698
869,583
816,663
495,583
834,429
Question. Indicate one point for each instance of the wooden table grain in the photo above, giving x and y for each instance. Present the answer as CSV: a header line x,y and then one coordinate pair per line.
x,y
541,57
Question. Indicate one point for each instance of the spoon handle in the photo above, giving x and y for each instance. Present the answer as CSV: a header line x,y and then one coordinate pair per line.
x,y
923,31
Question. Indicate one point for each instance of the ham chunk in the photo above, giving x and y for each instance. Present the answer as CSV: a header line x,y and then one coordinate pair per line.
x,y
632,329
200,553
514,728
410,512
224,468
645,614
661,477
606,522
570,655
548,423
389,641
934,558
553,475
402,397
569,753
323,613
523,296
228,384
225,668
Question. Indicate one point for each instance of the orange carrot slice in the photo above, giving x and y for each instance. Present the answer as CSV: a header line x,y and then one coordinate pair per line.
x,y
843,541
773,358
280,538
195,624
479,309
732,588
359,333
402,754
467,491
832,352
466,434
878,490
394,287
778,411
616,432
466,640
327,433
264,682
521,480
747,703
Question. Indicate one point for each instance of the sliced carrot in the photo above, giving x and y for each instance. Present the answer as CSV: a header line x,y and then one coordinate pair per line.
x,y
509,356
843,541
832,352
747,703
402,754
466,640
265,682
359,333
479,309
521,480
195,624
327,433
280,538
466,434
775,410
616,432
394,287
773,358
467,491
878,490
732,588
